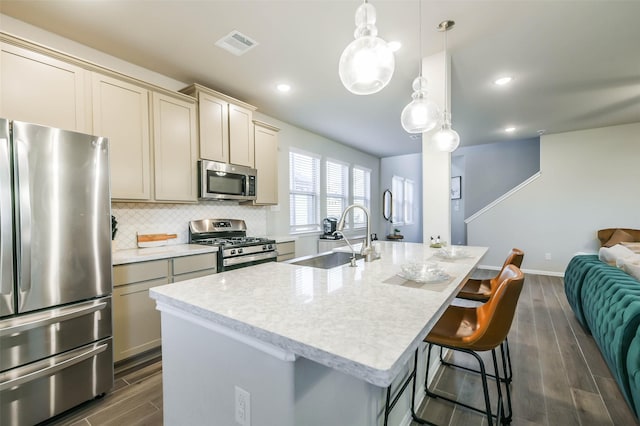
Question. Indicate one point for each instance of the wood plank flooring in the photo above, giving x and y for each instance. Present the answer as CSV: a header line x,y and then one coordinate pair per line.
x,y
560,377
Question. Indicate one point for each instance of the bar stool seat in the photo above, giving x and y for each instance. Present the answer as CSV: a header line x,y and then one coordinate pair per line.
x,y
481,289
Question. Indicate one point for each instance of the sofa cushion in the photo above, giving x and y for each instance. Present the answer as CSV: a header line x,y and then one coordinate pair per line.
x,y
605,234
619,236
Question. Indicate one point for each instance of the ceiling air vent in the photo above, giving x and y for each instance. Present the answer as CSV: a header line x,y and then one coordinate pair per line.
x,y
236,43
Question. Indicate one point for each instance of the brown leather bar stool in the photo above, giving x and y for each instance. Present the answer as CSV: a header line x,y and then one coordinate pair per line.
x,y
477,329
480,290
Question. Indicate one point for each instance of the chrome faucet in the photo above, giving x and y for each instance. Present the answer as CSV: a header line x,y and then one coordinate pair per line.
x,y
367,250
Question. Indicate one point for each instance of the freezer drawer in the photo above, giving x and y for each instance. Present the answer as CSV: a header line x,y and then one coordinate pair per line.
x,y
43,389
43,334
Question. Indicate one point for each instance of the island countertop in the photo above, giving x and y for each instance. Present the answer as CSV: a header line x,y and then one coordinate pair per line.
x,y
365,321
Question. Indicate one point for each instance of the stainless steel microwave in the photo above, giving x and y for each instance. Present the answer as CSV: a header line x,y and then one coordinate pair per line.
x,y
220,181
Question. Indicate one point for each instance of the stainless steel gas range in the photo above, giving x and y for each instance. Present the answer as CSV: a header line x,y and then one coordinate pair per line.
x,y
236,250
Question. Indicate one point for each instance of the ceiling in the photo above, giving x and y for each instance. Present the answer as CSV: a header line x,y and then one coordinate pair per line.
x,y
576,64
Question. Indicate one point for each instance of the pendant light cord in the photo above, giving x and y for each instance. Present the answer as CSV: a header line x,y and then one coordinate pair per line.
x,y
446,73
420,35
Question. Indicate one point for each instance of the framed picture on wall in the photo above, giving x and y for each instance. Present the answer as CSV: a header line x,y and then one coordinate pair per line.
x,y
456,187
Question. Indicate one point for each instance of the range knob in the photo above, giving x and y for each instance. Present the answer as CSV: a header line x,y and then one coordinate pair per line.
x,y
270,246
264,247
233,251
240,251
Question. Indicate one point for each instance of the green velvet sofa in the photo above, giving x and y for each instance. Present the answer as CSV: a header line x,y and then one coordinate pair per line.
x,y
606,302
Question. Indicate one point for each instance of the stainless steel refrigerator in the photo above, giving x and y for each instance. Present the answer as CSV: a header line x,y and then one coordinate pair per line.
x,y
55,293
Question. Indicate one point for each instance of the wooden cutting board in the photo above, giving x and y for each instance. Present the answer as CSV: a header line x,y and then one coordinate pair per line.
x,y
154,240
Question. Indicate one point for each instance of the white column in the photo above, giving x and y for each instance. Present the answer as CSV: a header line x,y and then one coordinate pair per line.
x,y
436,165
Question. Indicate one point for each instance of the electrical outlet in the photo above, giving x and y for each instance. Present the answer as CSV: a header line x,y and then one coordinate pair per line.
x,y
243,407
547,256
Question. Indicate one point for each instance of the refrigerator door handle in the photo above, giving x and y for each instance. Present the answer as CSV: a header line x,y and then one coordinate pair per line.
x,y
64,316
52,369
25,216
6,249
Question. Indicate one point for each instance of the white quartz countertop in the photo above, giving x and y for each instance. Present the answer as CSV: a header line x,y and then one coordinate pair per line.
x,y
365,321
120,257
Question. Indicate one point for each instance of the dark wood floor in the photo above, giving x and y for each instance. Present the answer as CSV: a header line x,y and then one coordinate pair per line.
x,y
560,377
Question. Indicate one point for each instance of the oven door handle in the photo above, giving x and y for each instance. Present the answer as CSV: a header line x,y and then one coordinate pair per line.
x,y
249,258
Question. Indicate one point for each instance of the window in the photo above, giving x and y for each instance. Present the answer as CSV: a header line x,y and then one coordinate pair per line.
x,y
304,192
403,200
361,194
337,187
397,189
408,201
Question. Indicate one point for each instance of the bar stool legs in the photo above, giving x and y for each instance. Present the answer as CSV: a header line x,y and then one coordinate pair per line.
x,y
499,415
391,403
504,349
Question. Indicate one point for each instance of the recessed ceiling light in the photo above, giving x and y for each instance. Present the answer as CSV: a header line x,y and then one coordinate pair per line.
x,y
503,80
510,129
283,87
394,45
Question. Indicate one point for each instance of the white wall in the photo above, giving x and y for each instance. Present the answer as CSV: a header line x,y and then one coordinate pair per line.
x,y
409,167
589,180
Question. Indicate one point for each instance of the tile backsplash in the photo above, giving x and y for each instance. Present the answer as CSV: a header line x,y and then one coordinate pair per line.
x,y
174,219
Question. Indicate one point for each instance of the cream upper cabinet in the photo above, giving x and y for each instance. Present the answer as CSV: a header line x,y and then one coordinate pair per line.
x,y
121,113
41,89
175,150
241,138
266,160
225,126
214,130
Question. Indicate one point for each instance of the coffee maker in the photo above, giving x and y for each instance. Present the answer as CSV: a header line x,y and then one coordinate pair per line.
x,y
329,226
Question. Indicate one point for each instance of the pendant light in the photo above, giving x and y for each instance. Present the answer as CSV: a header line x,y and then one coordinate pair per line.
x,y
446,139
421,114
367,63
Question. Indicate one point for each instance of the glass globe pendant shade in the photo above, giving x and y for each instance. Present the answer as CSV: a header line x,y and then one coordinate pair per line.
x,y
446,139
421,114
367,63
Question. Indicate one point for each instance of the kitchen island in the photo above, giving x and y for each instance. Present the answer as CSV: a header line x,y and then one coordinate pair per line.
x,y
310,346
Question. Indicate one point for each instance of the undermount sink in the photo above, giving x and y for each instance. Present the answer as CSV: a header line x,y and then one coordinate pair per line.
x,y
326,260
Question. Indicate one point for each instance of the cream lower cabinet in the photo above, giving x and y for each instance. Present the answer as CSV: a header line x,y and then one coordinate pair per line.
x,y
266,162
198,265
41,89
286,251
121,113
136,322
175,149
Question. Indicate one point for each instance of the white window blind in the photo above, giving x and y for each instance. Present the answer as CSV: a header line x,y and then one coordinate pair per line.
x,y
337,187
304,192
361,194
397,188
408,201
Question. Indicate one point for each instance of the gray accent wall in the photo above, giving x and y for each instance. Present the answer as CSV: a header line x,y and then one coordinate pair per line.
x,y
491,170
488,172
